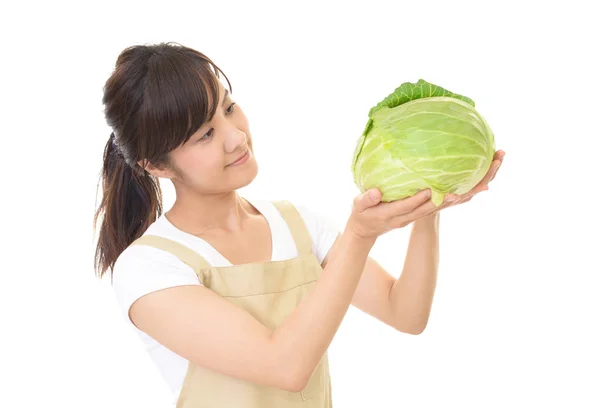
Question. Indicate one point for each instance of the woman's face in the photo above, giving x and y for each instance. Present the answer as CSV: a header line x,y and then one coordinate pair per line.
x,y
217,158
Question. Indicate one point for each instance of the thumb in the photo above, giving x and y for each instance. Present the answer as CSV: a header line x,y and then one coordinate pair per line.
x,y
370,198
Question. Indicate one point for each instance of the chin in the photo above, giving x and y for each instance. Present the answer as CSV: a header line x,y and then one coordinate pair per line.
x,y
248,175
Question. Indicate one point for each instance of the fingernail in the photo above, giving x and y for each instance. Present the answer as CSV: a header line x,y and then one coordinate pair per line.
x,y
372,194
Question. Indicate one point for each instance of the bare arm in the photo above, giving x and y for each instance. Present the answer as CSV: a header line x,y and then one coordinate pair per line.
x,y
306,334
209,331
405,303
230,340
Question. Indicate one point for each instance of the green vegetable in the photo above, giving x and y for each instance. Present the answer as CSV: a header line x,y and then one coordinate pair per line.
x,y
423,136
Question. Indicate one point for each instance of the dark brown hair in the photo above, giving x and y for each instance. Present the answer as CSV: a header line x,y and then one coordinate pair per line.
x,y
156,98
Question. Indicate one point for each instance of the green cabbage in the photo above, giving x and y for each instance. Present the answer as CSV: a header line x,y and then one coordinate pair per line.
x,y
423,136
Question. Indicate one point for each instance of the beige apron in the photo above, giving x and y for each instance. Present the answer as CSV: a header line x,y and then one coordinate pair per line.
x,y
270,291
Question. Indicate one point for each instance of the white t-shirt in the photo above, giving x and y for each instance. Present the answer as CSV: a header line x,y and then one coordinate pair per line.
x,y
141,269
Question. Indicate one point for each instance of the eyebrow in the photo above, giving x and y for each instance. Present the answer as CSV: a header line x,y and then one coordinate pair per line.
x,y
224,99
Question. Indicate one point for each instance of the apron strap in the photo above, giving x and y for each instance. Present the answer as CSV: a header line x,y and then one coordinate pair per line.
x,y
185,254
297,226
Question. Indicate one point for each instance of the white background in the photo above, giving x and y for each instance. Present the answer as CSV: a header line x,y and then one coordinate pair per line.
x,y
515,317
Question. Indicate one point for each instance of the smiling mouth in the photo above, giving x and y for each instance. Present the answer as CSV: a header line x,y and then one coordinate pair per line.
x,y
239,158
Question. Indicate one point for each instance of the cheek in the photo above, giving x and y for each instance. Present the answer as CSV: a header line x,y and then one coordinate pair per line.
x,y
203,164
208,164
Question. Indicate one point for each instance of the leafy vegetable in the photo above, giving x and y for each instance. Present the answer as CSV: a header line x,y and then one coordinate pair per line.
x,y
423,136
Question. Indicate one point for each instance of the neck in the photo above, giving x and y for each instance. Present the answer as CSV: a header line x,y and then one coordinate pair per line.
x,y
210,214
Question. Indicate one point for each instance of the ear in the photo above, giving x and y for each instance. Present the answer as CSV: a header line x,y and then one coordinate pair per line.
x,y
157,171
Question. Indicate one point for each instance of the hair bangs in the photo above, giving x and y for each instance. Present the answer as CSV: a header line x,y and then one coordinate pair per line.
x,y
181,94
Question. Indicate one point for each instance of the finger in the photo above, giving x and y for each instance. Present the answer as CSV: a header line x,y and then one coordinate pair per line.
x,y
450,199
419,212
483,183
477,189
498,156
493,169
368,199
496,171
405,205
490,173
464,198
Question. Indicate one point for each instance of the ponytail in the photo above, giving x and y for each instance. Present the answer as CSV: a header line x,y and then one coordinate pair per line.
x,y
131,201
157,97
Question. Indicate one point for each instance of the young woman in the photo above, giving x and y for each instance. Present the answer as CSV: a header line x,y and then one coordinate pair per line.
x,y
237,300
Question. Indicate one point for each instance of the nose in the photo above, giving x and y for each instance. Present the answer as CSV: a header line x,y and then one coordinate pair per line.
x,y
234,138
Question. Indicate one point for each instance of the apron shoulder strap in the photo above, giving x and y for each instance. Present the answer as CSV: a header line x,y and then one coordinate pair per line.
x,y
185,254
297,226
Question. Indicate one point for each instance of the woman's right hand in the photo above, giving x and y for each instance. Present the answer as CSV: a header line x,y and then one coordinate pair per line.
x,y
371,218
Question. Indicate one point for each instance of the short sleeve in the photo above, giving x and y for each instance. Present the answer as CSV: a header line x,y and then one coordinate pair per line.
x,y
142,269
321,229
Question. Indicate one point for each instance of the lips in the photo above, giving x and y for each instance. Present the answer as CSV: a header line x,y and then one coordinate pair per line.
x,y
239,158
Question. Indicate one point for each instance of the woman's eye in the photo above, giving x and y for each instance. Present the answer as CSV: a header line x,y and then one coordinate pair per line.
x,y
208,134
231,108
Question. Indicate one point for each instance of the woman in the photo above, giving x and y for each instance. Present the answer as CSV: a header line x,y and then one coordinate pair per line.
x,y
237,300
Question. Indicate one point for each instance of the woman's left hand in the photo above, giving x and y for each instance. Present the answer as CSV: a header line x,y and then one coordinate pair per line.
x,y
455,199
